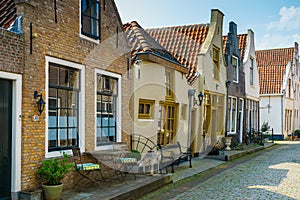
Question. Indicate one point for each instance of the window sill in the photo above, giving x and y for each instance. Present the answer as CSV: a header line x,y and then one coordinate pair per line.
x,y
89,39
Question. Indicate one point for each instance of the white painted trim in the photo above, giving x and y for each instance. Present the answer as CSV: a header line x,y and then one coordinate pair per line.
x,y
84,36
16,129
81,103
235,117
241,120
118,109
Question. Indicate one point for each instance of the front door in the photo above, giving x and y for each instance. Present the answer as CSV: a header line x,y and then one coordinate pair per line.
x,y
167,124
5,138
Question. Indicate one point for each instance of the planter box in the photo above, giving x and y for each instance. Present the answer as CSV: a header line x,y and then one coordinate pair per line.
x,y
31,195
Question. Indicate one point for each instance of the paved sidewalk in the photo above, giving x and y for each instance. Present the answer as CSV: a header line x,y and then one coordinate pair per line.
x,y
132,189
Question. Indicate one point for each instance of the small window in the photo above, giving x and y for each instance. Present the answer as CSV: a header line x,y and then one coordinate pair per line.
x,y
216,58
90,18
235,69
169,84
146,109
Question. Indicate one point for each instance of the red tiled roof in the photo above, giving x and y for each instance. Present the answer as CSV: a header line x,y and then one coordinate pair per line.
x,y
242,44
270,79
271,66
8,13
274,56
184,43
141,41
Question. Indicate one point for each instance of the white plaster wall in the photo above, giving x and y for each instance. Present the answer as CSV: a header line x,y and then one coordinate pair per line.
x,y
151,85
274,115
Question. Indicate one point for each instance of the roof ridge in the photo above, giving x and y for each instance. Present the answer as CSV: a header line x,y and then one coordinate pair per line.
x,y
177,26
275,49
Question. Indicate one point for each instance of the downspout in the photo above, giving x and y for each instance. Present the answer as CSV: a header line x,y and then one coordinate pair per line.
x,y
191,93
283,92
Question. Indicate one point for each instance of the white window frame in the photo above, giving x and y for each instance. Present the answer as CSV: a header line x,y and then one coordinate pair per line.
x,y
81,117
97,41
230,115
118,108
237,69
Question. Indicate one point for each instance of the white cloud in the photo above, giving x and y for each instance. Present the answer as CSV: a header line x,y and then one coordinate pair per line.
x,y
289,19
273,41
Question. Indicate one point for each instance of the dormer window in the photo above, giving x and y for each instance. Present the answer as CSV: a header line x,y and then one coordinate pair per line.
x,y
90,18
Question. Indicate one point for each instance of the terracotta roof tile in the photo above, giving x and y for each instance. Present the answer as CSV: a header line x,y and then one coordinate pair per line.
x,y
184,43
271,66
270,78
141,41
274,56
8,13
242,44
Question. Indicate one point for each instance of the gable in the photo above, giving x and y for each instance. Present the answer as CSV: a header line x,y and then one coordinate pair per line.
x,y
242,44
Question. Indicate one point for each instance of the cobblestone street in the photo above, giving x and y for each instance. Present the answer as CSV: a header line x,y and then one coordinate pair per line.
x,y
274,174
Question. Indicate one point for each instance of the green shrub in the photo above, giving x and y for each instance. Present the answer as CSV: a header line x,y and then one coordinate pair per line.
x,y
265,127
297,132
53,170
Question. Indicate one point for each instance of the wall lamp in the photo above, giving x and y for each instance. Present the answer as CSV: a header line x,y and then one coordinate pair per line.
x,y
200,99
40,103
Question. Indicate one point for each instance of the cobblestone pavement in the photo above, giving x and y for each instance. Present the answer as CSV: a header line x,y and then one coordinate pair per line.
x,y
274,174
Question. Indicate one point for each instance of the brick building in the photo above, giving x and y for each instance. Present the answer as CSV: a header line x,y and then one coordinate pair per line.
x,y
74,54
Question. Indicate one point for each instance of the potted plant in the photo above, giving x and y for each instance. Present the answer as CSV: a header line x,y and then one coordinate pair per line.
x,y
51,172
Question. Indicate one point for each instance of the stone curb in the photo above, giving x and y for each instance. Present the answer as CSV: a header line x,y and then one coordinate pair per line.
x,y
241,154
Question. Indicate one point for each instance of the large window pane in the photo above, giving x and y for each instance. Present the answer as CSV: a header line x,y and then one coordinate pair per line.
x,y
90,19
53,74
106,109
63,107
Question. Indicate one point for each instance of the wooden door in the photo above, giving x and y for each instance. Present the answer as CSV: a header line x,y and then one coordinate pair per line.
x,y
5,138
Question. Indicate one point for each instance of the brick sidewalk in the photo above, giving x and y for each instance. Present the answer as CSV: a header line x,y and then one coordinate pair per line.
x,y
132,189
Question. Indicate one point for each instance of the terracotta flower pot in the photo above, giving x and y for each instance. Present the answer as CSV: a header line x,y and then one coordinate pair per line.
x,y
52,192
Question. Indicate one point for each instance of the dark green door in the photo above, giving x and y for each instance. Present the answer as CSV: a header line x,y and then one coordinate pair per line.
x,y
5,137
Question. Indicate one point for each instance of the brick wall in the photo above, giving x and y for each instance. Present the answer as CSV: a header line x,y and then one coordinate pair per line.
x,y
62,40
12,52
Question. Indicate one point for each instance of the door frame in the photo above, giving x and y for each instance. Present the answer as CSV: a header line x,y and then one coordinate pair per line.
x,y
16,128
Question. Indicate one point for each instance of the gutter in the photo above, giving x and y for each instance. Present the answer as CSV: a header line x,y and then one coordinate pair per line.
x,y
157,55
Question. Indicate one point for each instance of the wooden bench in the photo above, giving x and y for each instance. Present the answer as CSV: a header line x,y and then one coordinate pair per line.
x,y
172,154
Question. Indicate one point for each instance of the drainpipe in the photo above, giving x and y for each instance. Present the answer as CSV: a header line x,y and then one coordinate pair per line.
x,y
283,92
191,94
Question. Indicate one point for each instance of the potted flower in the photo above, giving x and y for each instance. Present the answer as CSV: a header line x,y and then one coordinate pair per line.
x,y
51,172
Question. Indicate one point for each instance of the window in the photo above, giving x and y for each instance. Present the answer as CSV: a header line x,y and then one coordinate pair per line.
x,y
107,93
216,58
288,120
217,103
232,115
289,88
169,84
90,18
167,123
146,109
63,107
235,69
251,70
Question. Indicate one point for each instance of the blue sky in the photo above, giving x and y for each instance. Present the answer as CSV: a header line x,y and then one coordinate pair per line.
x,y
276,23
